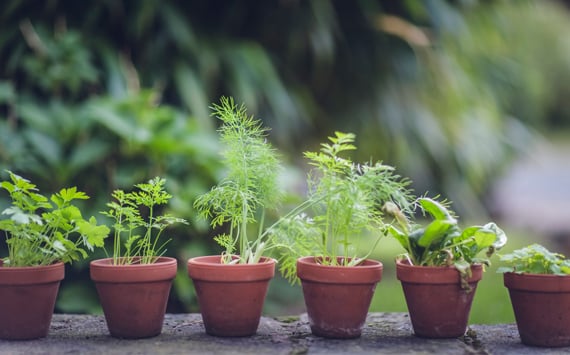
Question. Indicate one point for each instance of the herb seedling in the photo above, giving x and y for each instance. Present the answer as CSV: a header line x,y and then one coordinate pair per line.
x,y
535,259
345,199
250,187
134,213
41,231
442,242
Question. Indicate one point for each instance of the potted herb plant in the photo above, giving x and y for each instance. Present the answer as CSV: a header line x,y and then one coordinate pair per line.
x,y
328,248
134,284
441,268
41,235
231,287
539,287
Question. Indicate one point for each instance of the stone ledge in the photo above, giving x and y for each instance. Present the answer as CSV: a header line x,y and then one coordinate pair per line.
x,y
384,333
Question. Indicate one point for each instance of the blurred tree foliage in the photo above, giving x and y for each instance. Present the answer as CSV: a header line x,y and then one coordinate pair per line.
x,y
107,93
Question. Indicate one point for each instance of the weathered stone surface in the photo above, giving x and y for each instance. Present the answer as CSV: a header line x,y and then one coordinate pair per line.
x,y
384,333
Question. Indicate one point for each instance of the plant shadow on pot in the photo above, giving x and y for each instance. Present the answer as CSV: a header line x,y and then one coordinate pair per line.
x,y
230,296
338,297
541,304
134,297
27,300
438,306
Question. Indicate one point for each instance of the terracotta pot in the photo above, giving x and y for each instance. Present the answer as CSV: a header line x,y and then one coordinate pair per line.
x,y
438,306
231,297
134,297
541,304
338,297
27,300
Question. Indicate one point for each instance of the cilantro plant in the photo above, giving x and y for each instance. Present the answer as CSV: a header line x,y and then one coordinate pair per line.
x,y
249,188
535,259
42,231
442,242
345,201
138,225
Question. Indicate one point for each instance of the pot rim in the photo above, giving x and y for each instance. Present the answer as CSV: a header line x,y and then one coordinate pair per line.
x,y
108,262
547,283
369,272
406,272
23,275
215,260
209,268
102,270
366,263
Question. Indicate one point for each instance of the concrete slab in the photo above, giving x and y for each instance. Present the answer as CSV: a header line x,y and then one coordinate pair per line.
x,y
384,333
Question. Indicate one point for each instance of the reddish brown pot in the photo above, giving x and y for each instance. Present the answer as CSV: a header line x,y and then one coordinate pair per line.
x,y
338,297
231,297
134,297
541,304
27,299
438,306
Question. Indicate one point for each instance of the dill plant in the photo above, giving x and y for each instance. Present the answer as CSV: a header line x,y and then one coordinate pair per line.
x,y
138,225
41,231
250,187
344,203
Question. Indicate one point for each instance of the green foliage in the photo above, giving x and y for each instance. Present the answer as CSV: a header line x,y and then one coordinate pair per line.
x,y
433,79
103,108
250,186
442,242
345,199
127,212
41,231
535,259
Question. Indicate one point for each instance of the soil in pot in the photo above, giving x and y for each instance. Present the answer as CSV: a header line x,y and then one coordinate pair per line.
x,y
231,297
27,300
134,297
337,298
541,304
438,306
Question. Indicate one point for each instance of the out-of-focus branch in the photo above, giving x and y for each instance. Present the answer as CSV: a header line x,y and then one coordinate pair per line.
x,y
31,37
399,27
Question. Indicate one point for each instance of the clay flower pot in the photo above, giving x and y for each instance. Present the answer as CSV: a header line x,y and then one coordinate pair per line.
x,y
27,300
438,306
134,297
338,297
231,297
541,304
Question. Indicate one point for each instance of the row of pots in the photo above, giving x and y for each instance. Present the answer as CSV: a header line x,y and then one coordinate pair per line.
x,y
337,299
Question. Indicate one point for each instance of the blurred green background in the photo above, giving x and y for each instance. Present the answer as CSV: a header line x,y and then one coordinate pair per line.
x,y
104,94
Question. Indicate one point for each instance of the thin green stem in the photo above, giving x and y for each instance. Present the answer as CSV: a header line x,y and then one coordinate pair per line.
x,y
243,231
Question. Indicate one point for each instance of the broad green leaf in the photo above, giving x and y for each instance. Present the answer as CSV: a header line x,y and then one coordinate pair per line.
x,y
399,236
434,232
416,235
94,234
485,238
437,210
